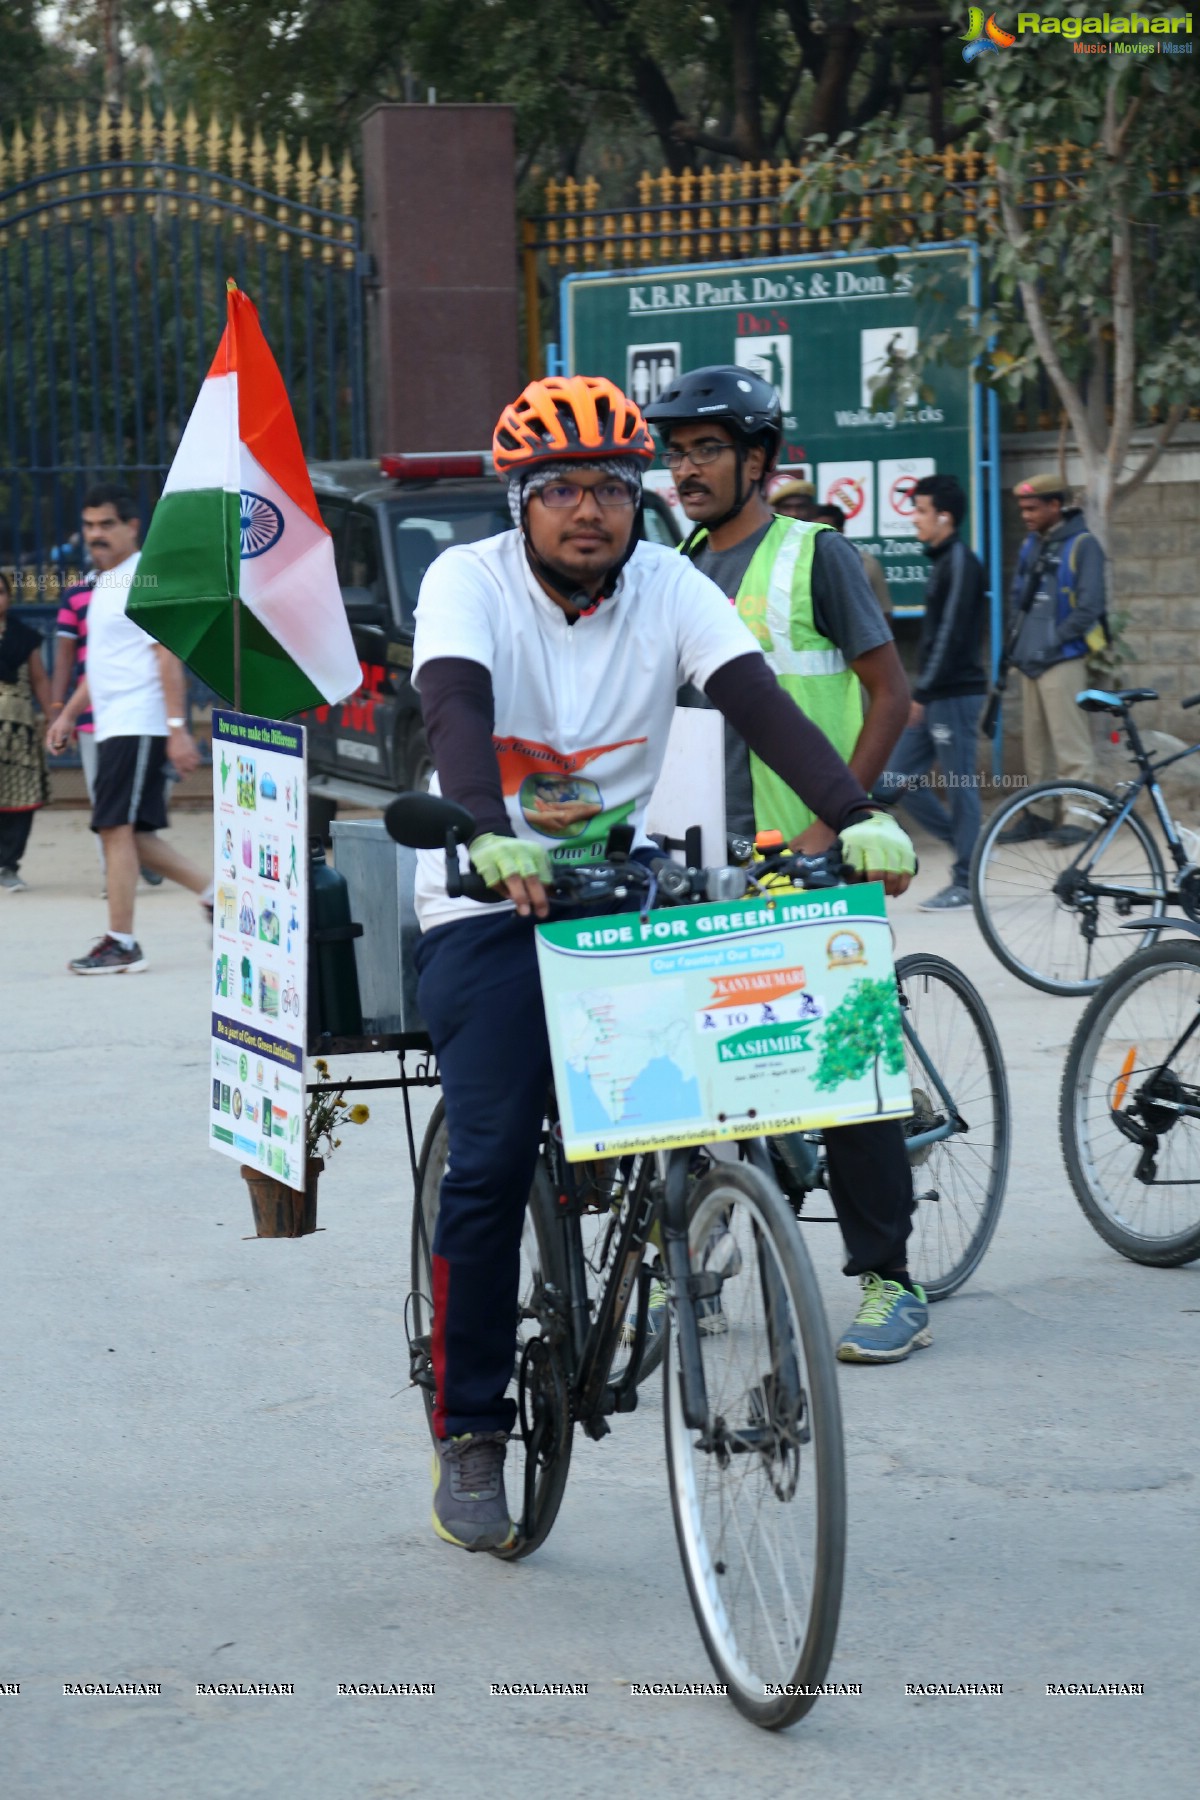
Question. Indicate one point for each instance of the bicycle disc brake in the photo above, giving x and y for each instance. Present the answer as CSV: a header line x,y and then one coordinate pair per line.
x,y
925,1117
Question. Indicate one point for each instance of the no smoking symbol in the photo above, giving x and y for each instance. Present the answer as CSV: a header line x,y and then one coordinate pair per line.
x,y
904,501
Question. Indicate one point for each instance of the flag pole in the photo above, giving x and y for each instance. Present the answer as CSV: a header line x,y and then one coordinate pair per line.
x,y
231,288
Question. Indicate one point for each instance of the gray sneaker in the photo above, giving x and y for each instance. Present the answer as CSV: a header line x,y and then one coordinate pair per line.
x,y
951,899
470,1508
12,881
107,957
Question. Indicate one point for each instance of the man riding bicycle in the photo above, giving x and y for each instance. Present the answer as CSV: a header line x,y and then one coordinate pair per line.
x,y
547,659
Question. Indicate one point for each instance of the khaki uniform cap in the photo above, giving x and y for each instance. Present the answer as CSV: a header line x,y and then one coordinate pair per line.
x,y
798,489
1041,485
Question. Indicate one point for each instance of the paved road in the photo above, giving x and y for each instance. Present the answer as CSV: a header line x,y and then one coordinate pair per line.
x,y
211,1469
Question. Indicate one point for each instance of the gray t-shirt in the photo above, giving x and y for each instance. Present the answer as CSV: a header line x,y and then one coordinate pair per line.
x,y
844,610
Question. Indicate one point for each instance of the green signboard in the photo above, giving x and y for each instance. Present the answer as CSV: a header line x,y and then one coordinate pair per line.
x,y
823,329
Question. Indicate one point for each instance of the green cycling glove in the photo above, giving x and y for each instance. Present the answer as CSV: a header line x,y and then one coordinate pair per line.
x,y
878,844
496,858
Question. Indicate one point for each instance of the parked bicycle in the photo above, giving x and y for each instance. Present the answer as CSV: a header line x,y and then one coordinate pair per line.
x,y
1062,868
753,1424
1129,1113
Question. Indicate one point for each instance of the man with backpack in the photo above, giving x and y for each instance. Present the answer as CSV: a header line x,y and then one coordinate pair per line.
x,y
1059,593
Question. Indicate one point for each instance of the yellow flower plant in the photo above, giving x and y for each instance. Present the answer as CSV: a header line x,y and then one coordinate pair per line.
x,y
326,1113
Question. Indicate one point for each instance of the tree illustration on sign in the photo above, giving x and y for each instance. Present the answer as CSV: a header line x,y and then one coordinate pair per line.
x,y
862,1031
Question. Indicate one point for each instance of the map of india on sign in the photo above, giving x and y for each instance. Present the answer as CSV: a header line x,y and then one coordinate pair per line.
x,y
707,1022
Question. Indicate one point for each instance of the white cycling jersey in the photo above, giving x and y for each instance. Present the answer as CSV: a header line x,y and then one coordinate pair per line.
x,y
582,711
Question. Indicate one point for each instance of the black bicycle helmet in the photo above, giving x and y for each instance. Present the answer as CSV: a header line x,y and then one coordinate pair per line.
x,y
743,402
746,405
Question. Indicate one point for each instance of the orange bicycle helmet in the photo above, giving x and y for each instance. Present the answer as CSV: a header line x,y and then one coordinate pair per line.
x,y
568,418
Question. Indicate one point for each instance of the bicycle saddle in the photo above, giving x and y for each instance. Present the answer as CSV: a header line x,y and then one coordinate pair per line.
x,y
1096,700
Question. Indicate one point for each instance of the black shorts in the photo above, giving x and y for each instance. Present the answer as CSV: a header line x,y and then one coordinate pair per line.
x,y
131,784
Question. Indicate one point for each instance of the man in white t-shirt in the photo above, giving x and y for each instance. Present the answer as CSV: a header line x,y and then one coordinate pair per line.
x,y
135,689
548,660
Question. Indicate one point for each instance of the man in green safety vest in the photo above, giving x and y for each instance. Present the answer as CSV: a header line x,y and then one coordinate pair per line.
x,y
801,589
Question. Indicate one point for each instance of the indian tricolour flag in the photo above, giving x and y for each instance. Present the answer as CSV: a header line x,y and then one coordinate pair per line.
x,y
238,518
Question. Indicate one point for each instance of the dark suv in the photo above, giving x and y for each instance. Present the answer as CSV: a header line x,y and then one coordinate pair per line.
x,y
389,519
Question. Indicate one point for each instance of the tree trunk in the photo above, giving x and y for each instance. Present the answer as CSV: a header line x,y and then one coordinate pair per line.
x,y
828,113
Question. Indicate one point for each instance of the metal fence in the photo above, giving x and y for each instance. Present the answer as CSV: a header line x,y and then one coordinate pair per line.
x,y
117,235
723,215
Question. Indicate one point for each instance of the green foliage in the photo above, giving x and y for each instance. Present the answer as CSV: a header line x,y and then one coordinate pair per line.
x,y
862,1031
1088,152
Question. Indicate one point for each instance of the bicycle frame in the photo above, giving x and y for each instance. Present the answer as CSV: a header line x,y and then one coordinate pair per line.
x,y
1147,781
659,1195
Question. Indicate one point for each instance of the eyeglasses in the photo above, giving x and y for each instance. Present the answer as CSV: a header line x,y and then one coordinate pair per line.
x,y
563,494
706,451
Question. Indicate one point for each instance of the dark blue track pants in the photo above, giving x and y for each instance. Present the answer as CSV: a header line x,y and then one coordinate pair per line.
x,y
481,999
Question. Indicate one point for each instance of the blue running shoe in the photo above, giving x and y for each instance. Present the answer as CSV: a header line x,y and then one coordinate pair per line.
x,y
656,1316
890,1323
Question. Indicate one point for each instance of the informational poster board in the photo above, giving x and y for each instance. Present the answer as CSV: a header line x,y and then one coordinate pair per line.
x,y
700,1023
823,329
260,944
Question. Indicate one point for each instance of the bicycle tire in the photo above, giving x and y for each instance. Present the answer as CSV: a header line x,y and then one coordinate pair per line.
x,y
759,1221
1026,935
1094,1156
540,1217
951,1162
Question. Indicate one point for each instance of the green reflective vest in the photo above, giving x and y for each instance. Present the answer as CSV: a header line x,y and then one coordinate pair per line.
x,y
775,601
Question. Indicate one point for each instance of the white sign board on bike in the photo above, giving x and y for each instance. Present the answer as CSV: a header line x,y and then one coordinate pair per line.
x,y
700,1023
260,944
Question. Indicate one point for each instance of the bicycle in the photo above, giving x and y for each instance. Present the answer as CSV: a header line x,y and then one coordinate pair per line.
x,y
752,1417
1129,1111
1053,907
753,1423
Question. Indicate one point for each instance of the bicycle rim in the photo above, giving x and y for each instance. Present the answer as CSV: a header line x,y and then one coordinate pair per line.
x,y
1040,937
1122,1043
536,1255
958,1181
760,1516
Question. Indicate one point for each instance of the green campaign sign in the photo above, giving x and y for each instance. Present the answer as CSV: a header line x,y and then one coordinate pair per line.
x,y
699,1023
823,329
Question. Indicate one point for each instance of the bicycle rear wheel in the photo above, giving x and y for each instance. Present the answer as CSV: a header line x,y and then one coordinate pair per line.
x,y
1132,1155
759,1496
1031,898
958,1181
542,1393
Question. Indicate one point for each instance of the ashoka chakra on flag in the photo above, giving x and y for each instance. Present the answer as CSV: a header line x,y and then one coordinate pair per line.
x,y
262,523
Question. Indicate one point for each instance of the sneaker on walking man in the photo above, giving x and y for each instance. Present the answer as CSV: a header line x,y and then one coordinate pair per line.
x,y
943,724
135,690
802,590
1060,585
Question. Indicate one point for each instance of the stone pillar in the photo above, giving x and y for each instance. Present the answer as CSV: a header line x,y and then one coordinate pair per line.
x,y
439,189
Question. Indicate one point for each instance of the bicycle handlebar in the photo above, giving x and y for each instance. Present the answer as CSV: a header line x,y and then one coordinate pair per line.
x,y
427,822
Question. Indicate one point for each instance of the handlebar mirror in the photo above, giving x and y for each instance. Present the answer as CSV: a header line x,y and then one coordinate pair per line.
x,y
423,821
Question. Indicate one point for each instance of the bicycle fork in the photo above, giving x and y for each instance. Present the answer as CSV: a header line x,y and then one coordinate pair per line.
x,y
686,1287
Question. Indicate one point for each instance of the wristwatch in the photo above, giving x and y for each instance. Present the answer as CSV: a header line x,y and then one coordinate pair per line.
x,y
176,724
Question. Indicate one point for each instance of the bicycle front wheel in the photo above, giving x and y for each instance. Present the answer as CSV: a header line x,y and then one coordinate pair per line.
x,y
1131,1148
956,1069
759,1496
1034,895
538,1383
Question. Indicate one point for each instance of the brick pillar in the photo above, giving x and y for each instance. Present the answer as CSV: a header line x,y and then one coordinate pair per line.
x,y
442,316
